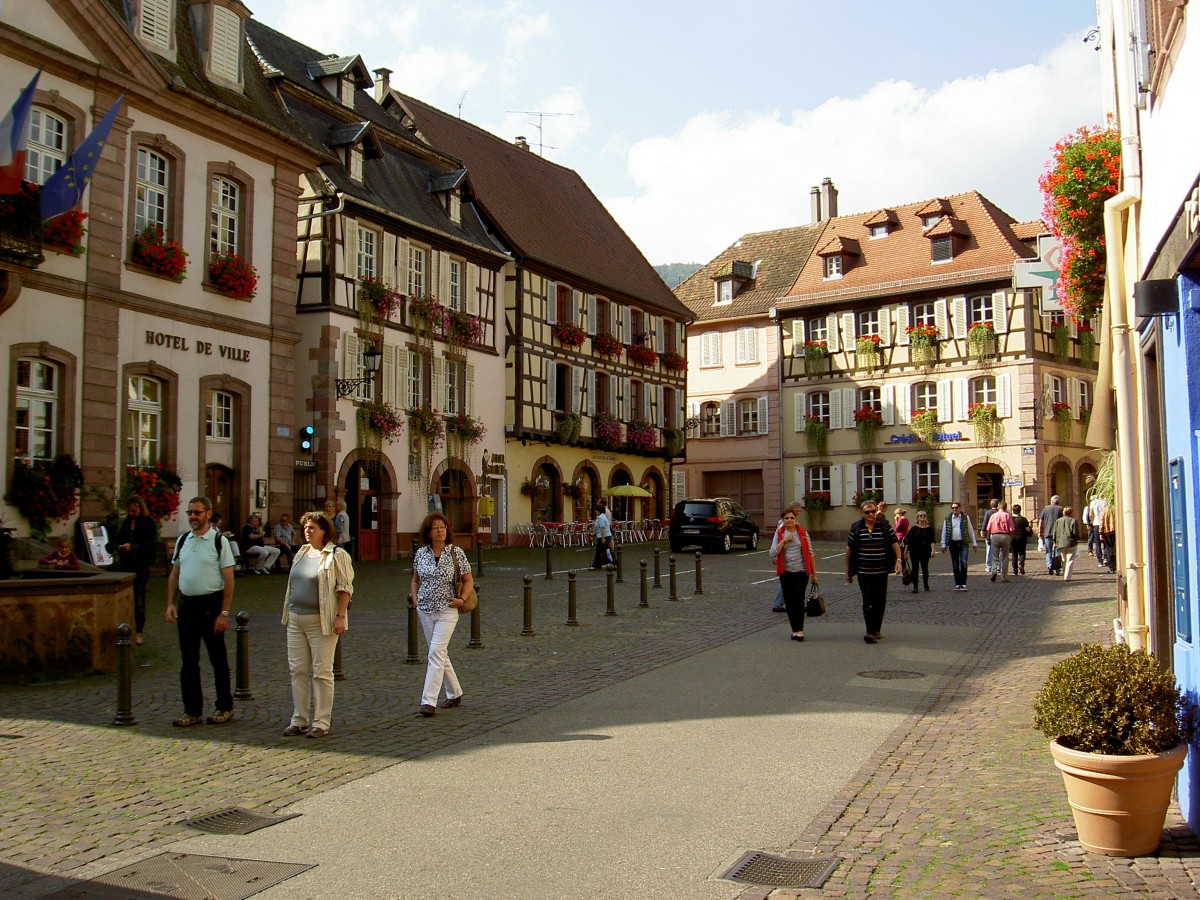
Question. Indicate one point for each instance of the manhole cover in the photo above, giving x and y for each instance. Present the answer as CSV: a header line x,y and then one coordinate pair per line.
x,y
235,821
764,869
890,674
184,876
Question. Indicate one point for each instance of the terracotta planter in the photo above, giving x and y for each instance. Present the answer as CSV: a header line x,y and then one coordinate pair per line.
x,y
1119,802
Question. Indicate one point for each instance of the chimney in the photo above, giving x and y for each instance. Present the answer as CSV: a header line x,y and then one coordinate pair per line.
x,y
383,83
521,142
829,198
814,199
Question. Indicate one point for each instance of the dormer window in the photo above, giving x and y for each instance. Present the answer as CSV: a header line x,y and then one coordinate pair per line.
x,y
341,76
942,249
881,224
354,161
930,221
455,211
837,256
833,266
447,187
346,89
354,142
943,238
154,22
878,231
225,56
724,291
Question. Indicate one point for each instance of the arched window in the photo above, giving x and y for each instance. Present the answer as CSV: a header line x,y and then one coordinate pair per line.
x,y
925,397
143,420
37,409
47,147
983,390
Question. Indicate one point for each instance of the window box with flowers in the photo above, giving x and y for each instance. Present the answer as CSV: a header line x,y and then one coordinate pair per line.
x,y
987,425
641,355
641,436
1085,418
862,496
21,226
925,424
1087,344
64,233
465,330
45,491
462,433
427,318
924,500
981,341
153,252
569,334
232,275
376,301
427,428
157,485
816,435
607,431
1083,172
376,423
868,420
567,427
923,343
673,362
606,345
1061,413
816,504
816,357
866,351
1061,336
528,488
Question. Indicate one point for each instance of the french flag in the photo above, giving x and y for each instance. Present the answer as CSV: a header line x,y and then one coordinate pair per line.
x,y
14,129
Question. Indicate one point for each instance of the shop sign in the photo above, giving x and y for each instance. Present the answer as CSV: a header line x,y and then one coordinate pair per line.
x,y
940,437
204,348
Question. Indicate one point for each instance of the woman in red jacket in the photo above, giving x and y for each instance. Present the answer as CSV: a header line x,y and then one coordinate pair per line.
x,y
792,552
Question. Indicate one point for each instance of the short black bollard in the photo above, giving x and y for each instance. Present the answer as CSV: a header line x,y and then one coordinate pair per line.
x,y
610,592
620,564
338,673
699,573
658,567
549,562
572,600
478,558
528,626
671,566
242,691
414,655
476,641
124,677
645,592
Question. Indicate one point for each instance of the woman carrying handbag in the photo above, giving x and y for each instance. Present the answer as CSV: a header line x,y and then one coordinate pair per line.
x,y
794,564
440,569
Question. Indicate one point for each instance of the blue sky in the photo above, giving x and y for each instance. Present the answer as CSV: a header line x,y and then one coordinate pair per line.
x,y
697,122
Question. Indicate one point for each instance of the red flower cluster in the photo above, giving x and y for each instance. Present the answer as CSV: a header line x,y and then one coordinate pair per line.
x,y
384,419
980,327
232,275
868,415
872,338
641,355
816,500
606,344
641,435
151,250
929,332
815,420
65,232
673,362
466,428
45,491
466,327
982,409
1060,408
158,486
569,334
607,431
381,299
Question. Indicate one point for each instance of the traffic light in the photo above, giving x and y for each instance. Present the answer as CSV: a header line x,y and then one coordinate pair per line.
x,y
306,439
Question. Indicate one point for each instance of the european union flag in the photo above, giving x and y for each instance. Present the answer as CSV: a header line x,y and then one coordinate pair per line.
x,y
65,187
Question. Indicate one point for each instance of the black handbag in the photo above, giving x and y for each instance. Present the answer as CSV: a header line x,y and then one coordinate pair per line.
x,y
815,605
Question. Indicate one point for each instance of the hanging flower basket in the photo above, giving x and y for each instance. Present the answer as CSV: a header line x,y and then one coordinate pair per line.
x,y
157,485
641,355
1082,173
1087,344
1061,413
607,431
987,425
924,500
465,330
925,424
528,488
45,491
462,433
606,345
674,440
569,334
65,232
376,301
868,420
1085,417
922,341
862,496
427,318
567,428
673,362
641,436
427,429
376,423
816,357
816,435
866,351
153,252
981,341
1062,342
232,275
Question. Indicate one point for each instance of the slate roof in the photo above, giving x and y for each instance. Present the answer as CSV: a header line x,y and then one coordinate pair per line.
x,y
545,211
780,255
986,246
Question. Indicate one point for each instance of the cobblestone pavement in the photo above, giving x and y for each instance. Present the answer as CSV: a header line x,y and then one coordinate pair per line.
x,y
962,801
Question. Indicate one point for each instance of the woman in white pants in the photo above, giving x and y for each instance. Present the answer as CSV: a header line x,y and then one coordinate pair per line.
x,y
315,610
432,592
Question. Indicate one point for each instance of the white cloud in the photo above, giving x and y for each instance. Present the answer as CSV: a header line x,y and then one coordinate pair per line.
x,y
437,75
520,33
723,175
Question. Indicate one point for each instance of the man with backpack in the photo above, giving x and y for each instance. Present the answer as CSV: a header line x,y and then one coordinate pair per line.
x,y
199,595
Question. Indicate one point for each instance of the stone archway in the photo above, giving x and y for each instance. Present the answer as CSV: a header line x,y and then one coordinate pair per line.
x,y
982,483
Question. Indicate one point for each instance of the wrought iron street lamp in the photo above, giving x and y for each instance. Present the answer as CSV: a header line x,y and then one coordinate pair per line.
x,y
371,360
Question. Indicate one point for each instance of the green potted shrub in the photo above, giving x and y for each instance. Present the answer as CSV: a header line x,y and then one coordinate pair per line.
x,y
1119,729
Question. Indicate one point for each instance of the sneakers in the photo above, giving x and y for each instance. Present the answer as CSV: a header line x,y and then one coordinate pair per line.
x,y
960,587
994,577
187,721
220,717
140,641
870,639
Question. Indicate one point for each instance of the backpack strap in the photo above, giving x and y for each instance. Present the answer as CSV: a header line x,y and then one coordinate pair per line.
x,y
220,542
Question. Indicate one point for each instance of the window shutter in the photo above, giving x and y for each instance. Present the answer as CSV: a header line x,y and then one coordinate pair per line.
x,y
945,406
441,260
939,318
728,418
889,482
660,334
831,332
762,415
945,481
389,374
797,483
849,481
1073,396
387,271
352,364
1000,311
350,248
551,302
577,308
903,403
835,486
960,399
626,399
589,385
798,400
849,405
626,325
470,391
679,489
904,491
401,390
613,409
835,409
848,334
437,381
798,338
1047,396
960,316
680,346
885,326
472,288
1003,396
591,313
551,369
574,402
887,396
402,249
660,406
693,414
902,320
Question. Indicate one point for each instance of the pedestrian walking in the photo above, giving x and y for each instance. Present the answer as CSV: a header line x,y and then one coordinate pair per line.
x,y
199,595
316,609
1046,519
1095,511
779,604
1000,529
983,534
1108,535
794,564
135,543
920,545
957,529
1021,533
602,528
1066,540
872,551
437,566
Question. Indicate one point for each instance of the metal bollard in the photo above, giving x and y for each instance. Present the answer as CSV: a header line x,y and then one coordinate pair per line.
x,y
699,573
658,567
476,641
338,674
528,627
572,601
478,560
620,564
549,563
242,691
414,655
671,566
124,677
611,606
644,599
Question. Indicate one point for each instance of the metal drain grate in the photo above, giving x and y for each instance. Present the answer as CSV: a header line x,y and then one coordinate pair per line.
x,y
890,674
766,870
235,821
184,876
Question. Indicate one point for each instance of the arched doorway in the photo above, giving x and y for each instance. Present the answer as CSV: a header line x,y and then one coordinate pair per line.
x,y
621,507
219,488
546,500
1060,483
454,488
585,491
984,483
655,506
363,508
1087,477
